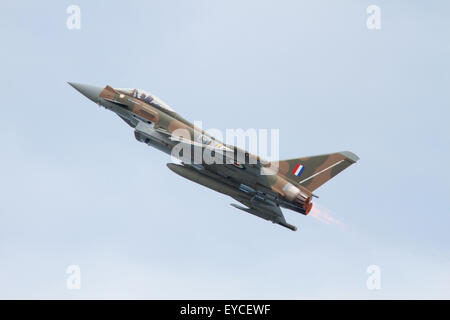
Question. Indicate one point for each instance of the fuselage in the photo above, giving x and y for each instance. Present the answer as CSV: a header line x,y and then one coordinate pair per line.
x,y
159,126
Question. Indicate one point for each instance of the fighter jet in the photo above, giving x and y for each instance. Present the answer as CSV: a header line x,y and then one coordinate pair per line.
x,y
263,187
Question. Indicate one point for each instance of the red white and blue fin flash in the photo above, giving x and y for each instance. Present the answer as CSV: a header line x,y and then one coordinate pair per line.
x,y
298,170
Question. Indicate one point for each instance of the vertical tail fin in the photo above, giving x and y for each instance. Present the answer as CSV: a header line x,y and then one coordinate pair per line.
x,y
312,172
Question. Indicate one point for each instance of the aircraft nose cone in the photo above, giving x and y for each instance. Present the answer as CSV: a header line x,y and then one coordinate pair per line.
x,y
91,92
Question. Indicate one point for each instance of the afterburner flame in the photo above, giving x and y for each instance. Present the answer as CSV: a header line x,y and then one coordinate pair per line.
x,y
323,214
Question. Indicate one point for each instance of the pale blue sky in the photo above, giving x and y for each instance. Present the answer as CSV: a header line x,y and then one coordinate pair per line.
x,y
77,188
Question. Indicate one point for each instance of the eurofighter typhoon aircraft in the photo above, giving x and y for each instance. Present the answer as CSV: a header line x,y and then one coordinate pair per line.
x,y
262,187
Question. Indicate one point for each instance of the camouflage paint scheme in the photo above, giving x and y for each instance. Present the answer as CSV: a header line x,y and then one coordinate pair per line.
x,y
263,187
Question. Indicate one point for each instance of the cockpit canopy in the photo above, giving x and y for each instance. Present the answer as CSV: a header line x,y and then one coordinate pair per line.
x,y
147,97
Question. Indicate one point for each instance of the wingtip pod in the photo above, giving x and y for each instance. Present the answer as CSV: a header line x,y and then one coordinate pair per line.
x,y
257,213
289,226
